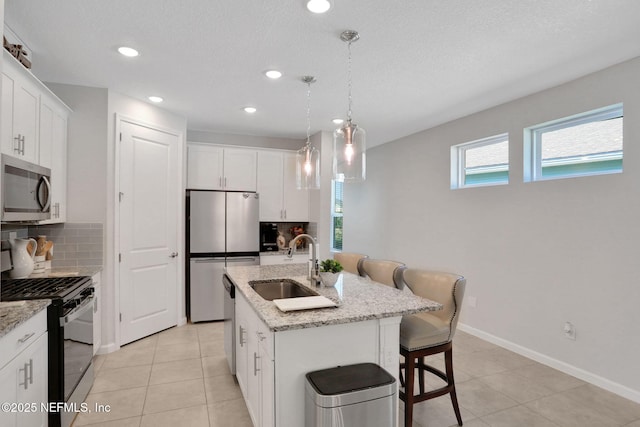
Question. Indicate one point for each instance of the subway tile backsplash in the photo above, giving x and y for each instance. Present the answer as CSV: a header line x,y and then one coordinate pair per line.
x,y
74,244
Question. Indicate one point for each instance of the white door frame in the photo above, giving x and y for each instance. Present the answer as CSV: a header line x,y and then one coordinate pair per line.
x,y
180,226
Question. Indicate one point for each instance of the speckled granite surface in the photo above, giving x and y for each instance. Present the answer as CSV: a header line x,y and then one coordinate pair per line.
x,y
68,271
358,299
11,316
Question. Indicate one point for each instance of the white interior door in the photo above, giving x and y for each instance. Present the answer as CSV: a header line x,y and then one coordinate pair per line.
x,y
148,229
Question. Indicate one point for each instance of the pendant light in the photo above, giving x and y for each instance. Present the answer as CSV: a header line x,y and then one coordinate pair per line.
x,y
349,145
308,157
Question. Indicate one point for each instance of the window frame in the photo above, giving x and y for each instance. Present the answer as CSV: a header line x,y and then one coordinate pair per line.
x,y
458,162
335,214
533,167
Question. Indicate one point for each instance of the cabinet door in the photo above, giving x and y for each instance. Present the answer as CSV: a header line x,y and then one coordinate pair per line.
x,y
53,155
9,144
8,393
270,185
267,390
240,169
204,167
241,344
26,105
296,202
33,382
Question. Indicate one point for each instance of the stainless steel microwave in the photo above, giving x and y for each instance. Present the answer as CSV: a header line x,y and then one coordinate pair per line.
x,y
26,191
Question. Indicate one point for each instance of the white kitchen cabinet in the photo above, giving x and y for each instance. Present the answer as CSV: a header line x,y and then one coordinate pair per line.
x,y
24,373
255,364
20,110
211,167
280,200
53,152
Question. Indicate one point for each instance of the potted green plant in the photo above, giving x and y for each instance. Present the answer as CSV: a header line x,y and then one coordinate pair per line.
x,y
330,272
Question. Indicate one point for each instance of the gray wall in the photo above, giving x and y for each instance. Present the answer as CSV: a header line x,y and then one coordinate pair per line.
x,y
535,254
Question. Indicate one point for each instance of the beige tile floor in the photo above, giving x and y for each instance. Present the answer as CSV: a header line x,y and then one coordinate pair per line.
x,y
179,377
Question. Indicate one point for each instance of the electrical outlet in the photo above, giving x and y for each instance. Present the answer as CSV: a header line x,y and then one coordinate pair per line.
x,y
472,302
569,331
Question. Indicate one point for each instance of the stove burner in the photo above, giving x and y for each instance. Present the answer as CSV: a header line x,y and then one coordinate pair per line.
x,y
42,287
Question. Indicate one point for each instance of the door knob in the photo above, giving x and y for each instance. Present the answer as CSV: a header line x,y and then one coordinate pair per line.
x,y
173,254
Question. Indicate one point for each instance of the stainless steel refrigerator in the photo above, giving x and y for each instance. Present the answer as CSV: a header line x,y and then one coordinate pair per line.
x,y
223,229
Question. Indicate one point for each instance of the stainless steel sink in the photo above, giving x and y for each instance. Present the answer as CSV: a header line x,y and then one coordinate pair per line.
x,y
280,288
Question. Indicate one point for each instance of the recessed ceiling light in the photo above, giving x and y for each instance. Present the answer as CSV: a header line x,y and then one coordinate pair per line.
x,y
155,99
273,74
128,51
250,110
318,6
338,121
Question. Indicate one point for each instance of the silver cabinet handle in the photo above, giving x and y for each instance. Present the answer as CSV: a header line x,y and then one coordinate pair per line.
x,y
30,371
255,363
173,254
285,214
225,182
25,338
22,151
220,181
241,336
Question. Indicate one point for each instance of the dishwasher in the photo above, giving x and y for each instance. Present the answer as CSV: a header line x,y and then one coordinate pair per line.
x,y
230,322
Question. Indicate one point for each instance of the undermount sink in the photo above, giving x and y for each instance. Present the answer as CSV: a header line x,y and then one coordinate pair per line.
x,y
280,288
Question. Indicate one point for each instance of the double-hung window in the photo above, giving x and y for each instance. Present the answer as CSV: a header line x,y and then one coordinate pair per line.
x,y
336,215
481,162
586,144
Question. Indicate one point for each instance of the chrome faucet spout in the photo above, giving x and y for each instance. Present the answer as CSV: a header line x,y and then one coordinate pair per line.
x,y
314,273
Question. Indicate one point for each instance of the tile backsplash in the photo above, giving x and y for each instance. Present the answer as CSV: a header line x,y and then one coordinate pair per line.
x,y
74,244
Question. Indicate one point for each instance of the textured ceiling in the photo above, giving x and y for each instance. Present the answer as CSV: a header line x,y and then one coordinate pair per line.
x,y
418,62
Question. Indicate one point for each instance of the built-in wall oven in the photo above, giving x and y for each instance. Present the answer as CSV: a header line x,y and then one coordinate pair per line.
x,y
70,330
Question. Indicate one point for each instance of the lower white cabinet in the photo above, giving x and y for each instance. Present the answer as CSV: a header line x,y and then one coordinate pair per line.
x,y
255,364
23,378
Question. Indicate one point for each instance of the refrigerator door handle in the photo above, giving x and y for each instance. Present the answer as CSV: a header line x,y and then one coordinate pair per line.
x,y
242,259
207,260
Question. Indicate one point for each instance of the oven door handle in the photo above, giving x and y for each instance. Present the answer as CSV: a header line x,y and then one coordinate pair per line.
x,y
77,312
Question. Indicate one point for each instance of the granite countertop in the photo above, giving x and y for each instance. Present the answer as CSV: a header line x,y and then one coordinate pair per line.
x,y
11,315
67,271
358,298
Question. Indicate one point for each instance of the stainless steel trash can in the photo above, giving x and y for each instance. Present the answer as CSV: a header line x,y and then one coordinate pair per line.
x,y
361,395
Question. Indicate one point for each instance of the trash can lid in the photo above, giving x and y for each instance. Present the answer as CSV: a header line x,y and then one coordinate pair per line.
x,y
350,378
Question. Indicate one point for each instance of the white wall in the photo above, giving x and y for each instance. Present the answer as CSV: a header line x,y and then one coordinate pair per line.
x,y
535,254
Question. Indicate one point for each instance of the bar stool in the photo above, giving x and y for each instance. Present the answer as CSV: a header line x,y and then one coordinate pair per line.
x,y
424,334
350,261
383,271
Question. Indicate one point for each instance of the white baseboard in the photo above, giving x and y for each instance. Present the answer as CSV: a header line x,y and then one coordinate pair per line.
x,y
108,348
587,376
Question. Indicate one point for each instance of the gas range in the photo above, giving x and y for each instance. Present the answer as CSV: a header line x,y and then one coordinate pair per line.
x,y
64,288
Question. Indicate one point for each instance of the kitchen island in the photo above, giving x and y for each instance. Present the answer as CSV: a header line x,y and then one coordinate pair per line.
x,y
274,349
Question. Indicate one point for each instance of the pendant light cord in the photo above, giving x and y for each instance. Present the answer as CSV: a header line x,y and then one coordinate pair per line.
x,y
308,113
349,81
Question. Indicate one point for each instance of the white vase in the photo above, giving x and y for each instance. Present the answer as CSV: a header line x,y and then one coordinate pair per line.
x,y
329,279
22,260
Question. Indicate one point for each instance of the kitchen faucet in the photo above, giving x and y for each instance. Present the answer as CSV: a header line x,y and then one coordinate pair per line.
x,y
314,276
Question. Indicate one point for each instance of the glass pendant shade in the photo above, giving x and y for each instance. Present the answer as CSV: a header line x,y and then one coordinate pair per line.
x,y
308,168
349,151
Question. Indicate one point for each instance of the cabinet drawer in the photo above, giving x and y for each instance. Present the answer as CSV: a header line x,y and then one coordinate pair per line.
x,y
22,336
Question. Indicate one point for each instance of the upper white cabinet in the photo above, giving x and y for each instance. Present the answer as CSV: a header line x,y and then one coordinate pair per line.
x,y
34,128
20,111
53,152
211,167
280,200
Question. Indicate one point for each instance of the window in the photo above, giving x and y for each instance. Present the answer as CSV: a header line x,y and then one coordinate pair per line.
x,y
481,162
336,215
586,144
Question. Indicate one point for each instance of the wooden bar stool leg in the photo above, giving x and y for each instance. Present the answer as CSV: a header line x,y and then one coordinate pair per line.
x,y
408,390
421,373
448,360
